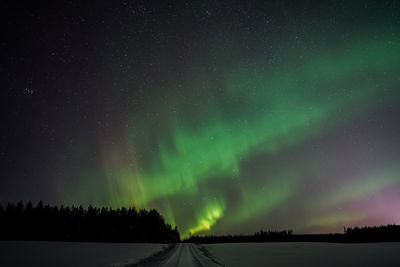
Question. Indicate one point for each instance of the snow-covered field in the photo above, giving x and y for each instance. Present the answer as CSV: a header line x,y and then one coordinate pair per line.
x,y
60,254
77,254
306,254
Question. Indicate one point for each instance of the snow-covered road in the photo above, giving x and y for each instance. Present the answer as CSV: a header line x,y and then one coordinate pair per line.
x,y
186,254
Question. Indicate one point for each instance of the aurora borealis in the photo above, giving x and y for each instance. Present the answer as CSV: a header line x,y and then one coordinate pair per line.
x,y
226,116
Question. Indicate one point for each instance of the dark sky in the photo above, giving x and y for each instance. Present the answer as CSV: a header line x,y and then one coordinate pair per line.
x,y
227,116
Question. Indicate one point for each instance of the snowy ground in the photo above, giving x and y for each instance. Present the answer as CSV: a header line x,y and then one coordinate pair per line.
x,y
60,254
77,254
306,254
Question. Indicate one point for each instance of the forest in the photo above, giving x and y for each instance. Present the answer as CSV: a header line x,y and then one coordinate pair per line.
x,y
91,224
383,233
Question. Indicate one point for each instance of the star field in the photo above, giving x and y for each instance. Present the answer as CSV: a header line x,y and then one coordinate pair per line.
x,y
226,116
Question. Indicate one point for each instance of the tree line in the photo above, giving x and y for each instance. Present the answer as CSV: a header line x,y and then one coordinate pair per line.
x,y
91,224
261,236
383,233
53,223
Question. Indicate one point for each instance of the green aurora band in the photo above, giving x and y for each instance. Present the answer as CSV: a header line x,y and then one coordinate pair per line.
x,y
278,110
263,112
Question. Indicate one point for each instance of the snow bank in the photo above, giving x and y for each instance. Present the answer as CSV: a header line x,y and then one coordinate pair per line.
x,y
306,254
77,254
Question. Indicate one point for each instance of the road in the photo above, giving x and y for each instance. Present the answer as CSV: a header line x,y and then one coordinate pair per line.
x,y
188,255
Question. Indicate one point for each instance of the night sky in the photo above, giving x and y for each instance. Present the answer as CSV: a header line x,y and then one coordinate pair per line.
x,y
226,116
